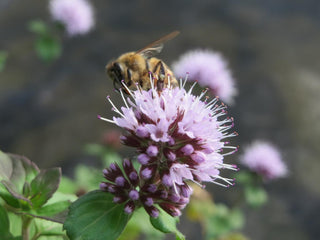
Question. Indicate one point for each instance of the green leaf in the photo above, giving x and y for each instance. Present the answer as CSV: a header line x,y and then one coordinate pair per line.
x,y
167,224
16,196
48,48
18,175
95,216
16,224
52,209
55,209
30,168
3,59
8,198
22,170
255,196
38,27
5,226
17,171
44,185
6,167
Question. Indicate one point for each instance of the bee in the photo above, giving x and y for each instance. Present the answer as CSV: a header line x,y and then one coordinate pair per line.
x,y
135,68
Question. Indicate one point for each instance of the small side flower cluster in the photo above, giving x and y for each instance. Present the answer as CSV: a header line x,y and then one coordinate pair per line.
x,y
76,15
210,69
264,159
178,138
139,189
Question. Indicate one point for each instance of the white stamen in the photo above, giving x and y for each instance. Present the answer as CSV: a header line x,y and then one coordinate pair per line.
x,y
202,94
220,184
107,120
114,108
191,88
229,153
185,80
227,180
180,83
228,166
126,87
123,98
169,82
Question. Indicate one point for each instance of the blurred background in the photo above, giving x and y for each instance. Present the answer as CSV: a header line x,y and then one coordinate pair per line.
x,y
48,109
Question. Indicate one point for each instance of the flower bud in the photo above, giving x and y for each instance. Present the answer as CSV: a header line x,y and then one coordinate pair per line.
x,y
198,157
143,159
129,207
142,132
152,211
166,180
134,195
187,149
152,151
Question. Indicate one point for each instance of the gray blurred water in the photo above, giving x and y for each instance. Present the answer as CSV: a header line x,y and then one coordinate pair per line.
x,y
48,111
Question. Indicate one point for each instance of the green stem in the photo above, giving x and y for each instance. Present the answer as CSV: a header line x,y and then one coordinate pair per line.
x,y
25,227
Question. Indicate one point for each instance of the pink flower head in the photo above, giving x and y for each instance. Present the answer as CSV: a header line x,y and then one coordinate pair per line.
x,y
76,15
179,138
196,129
264,159
210,69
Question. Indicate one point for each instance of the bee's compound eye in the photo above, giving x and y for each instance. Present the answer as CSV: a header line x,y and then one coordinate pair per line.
x,y
116,67
117,70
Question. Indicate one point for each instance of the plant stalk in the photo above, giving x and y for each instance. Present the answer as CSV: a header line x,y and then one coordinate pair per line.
x,y
25,227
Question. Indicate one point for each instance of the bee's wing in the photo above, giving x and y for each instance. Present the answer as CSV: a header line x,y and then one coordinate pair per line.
x,y
156,46
149,52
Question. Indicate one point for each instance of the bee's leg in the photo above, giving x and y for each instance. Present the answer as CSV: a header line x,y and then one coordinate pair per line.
x,y
159,69
148,74
129,75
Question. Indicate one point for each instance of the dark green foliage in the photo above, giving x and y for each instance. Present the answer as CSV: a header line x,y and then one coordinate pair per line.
x,y
95,216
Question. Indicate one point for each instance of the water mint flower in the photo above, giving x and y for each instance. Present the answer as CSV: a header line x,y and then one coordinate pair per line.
x,y
178,137
210,69
264,159
76,15
196,129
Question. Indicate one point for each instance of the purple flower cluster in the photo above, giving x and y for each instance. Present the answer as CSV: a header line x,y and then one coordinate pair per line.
x,y
76,15
210,69
264,159
178,138
140,189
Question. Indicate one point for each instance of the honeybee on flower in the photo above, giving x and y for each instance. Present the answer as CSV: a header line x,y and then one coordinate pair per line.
x,y
134,68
